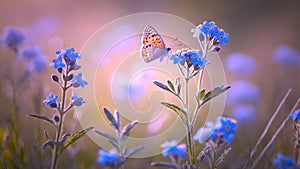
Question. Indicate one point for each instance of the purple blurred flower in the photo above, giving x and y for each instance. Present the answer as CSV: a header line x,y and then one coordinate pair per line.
x,y
285,162
286,56
172,148
243,91
244,113
38,64
12,37
30,52
241,64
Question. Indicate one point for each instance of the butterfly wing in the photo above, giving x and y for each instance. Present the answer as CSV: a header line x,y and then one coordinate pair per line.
x,y
153,46
150,35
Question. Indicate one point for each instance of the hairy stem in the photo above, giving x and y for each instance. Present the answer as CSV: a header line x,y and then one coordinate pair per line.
x,y
55,153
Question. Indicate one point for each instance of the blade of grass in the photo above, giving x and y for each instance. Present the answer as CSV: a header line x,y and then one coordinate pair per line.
x,y
269,123
273,137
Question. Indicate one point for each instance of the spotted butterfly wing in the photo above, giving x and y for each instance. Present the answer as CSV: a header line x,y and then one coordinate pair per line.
x,y
153,46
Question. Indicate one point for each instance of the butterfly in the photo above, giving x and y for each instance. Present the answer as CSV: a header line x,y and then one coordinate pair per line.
x,y
153,46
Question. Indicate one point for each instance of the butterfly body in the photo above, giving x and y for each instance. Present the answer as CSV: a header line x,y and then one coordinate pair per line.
x,y
153,46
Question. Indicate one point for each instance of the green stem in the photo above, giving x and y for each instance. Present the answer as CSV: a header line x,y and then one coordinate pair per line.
x,y
55,153
188,125
213,163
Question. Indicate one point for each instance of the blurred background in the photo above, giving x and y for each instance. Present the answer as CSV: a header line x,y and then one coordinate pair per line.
x,y
262,61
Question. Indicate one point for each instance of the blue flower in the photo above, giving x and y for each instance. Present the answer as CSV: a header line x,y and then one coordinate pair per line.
x,y
70,52
172,148
241,64
58,63
222,37
107,157
51,99
225,126
207,27
77,100
244,113
30,52
295,115
177,57
286,56
78,81
204,133
285,162
243,92
12,37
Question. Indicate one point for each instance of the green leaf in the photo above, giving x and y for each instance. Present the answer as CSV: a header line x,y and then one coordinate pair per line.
x,y
161,85
45,118
201,94
181,113
47,137
117,118
74,137
49,143
110,138
171,86
4,139
178,85
126,130
111,118
213,93
130,151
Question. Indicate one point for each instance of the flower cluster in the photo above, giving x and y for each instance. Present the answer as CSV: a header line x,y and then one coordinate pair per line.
x,y
190,58
222,130
211,31
65,63
285,162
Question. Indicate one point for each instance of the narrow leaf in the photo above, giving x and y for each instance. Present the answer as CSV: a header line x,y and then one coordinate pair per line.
x,y
117,118
213,93
111,138
166,164
111,118
50,143
45,118
161,85
178,85
201,94
126,130
47,137
130,151
74,137
181,113
171,86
